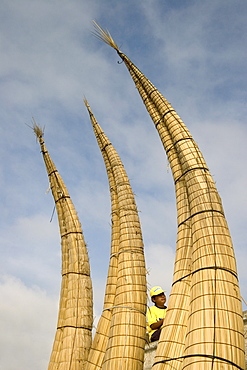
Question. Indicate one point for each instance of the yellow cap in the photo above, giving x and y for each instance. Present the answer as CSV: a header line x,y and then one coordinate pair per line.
x,y
156,290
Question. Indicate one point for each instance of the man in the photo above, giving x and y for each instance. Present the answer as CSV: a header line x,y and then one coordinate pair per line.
x,y
156,313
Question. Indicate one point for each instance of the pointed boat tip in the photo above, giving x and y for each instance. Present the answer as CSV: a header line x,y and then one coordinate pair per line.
x,y
91,115
85,102
87,105
104,35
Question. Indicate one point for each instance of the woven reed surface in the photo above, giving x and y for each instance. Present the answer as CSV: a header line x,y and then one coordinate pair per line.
x,y
73,336
214,333
100,340
125,347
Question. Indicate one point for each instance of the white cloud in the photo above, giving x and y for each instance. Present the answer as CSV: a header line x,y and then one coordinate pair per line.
x,y
160,259
28,323
31,250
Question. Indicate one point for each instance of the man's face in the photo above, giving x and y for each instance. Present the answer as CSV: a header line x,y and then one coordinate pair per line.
x,y
159,299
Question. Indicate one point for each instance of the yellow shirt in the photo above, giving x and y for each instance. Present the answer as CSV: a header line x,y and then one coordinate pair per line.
x,y
154,314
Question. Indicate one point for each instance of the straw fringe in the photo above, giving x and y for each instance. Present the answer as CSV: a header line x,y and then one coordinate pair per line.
x,y
38,131
104,35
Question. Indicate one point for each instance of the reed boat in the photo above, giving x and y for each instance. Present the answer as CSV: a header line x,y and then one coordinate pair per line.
x,y
73,336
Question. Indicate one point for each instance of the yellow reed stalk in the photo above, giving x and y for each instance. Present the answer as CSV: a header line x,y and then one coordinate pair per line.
x,y
100,340
73,335
125,347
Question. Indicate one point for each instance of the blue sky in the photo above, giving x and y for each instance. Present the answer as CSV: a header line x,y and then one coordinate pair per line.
x,y
195,53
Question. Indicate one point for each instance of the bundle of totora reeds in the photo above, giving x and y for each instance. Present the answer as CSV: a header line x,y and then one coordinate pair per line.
x,y
74,328
122,325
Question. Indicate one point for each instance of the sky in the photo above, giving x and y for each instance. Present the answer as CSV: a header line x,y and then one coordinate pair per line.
x,y
194,52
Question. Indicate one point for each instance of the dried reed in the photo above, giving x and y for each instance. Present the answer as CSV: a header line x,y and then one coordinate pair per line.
x,y
100,340
125,347
73,336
